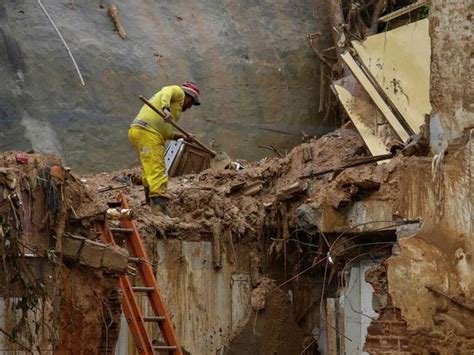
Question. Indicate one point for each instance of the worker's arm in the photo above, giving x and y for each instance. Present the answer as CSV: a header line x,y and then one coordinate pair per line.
x,y
170,94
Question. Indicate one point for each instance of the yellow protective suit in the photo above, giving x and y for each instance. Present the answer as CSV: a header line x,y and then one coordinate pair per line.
x,y
148,134
171,97
150,148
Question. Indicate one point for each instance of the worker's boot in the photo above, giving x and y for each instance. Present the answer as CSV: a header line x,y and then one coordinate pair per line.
x,y
146,189
159,205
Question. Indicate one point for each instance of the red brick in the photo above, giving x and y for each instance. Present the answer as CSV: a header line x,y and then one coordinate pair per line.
x,y
371,343
376,328
404,344
397,328
389,344
391,313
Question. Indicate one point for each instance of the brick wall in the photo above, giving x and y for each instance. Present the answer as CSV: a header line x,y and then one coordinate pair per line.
x,y
388,334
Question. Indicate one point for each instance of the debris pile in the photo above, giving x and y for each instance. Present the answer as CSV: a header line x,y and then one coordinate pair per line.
x,y
264,194
276,209
54,268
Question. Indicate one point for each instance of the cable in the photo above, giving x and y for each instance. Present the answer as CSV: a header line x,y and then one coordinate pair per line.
x,y
64,42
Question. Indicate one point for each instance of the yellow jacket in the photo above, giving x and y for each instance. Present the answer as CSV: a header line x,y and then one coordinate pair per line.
x,y
171,97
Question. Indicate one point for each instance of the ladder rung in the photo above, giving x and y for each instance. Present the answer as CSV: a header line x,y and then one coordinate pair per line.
x,y
164,347
143,289
153,319
121,230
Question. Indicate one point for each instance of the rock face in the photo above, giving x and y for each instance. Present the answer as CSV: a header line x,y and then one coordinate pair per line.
x,y
258,76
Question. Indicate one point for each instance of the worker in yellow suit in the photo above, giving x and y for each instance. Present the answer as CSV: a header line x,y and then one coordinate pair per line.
x,y
148,133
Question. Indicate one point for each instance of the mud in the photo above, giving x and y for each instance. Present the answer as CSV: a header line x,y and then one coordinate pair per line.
x,y
220,196
88,302
256,222
270,328
41,203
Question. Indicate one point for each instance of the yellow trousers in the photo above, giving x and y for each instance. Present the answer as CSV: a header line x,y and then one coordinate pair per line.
x,y
150,148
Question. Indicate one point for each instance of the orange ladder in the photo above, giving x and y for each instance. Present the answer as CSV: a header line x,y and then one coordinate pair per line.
x,y
132,310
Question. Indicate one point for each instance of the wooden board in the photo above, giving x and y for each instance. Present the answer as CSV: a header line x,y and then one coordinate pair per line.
x,y
375,95
190,160
364,114
399,62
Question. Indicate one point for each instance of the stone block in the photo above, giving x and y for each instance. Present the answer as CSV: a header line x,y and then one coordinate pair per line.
x,y
115,258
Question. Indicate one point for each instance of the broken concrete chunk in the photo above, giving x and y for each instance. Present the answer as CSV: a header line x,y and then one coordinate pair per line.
x,y
338,200
115,258
292,190
367,184
94,254
91,255
235,187
252,188
322,218
71,247
307,154
255,269
259,294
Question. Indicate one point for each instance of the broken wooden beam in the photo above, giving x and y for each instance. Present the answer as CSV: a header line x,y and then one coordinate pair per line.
x,y
114,14
110,188
403,11
375,94
360,162
216,245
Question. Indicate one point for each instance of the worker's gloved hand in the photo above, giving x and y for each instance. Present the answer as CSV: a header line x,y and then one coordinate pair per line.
x,y
178,135
168,117
189,139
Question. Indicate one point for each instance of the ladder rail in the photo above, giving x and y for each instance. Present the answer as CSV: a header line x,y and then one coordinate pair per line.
x,y
130,306
145,270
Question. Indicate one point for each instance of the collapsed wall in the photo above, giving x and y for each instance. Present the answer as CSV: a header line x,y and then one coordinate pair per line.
x,y
58,283
264,258
229,256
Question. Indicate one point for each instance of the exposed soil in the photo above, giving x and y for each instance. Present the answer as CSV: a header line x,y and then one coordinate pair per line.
x,y
198,201
269,329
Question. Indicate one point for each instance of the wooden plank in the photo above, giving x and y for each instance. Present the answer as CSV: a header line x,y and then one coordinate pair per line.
x,y
331,326
398,64
340,325
403,11
358,109
375,95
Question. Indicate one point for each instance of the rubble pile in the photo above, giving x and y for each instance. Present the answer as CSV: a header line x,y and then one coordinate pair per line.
x,y
54,268
263,194
269,209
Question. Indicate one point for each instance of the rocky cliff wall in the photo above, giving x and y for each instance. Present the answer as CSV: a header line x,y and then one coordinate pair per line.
x,y
258,75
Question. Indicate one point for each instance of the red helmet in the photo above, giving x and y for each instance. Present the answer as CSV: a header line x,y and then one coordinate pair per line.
x,y
192,89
